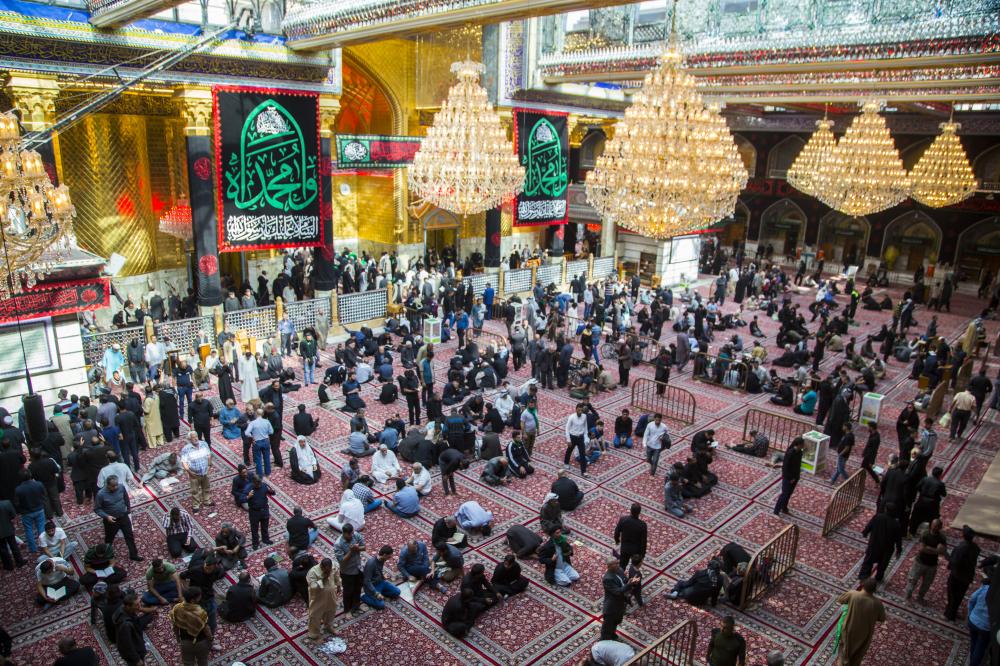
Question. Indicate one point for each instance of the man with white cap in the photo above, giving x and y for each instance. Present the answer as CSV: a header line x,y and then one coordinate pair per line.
x,y
385,466
113,360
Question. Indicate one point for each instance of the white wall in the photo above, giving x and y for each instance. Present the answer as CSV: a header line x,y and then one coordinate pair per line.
x,y
137,286
71,374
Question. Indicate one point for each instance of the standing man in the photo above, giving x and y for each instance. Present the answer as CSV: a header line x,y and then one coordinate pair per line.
x,y
113,505
529,425
615,587
961,410
932,546
791,470
309,353
196,459
864,611
961,571
576,438
631,535
323,581
347,549
726,647
286,329
259,431
885,535
260,512
654,439
200,417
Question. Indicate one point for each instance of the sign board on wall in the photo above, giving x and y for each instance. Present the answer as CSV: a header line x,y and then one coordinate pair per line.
x,y
374,151
39,348
267,152
542,141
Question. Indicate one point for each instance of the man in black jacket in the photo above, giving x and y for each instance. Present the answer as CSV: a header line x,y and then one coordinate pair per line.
x,y
791,470
885,535
569,493
961,572
630,535
304,423
200,417
615,587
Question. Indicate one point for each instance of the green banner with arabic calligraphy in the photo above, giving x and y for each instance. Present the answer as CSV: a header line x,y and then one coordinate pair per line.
x,y
542,140
267,163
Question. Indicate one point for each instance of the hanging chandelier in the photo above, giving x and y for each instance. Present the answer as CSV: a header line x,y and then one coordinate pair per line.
x,y
863,173
672,166
942,175
176,221
36,218
802,174
465,163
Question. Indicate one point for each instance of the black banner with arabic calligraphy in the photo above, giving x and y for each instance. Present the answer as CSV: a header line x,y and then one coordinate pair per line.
x,y
56,298
267,154
542,139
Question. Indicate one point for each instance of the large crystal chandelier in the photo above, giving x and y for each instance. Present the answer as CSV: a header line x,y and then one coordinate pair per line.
x,y
802,174
672,166
36,218
863,173
942,176
465,163
176,221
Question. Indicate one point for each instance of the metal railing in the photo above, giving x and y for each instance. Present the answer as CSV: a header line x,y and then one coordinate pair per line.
x,y
94,344
770,564
549,274
259,323
480,280
780,430
673,402
517,281
845,499
649,349
675,648
183,333
728,373
306,313
577,267
362,306
603,267
485,338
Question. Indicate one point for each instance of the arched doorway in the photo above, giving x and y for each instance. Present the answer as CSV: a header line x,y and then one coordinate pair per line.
x,y
747,153
781,157
734,229
909,241
843,238
782,226
987,169
979,249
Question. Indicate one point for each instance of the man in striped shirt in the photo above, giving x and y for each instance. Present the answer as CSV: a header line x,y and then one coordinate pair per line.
x,y
177,525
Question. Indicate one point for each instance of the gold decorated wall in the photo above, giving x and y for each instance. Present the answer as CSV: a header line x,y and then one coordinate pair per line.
x,y
124,171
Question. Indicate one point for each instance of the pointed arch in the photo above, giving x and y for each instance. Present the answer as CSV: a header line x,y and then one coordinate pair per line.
x,y
986,166
915,237
971,242
843,236
781,156
783,225
591,148
748,152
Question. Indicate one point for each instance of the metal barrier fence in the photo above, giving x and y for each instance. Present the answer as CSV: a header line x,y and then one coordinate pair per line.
x,y
260,323
577,267
770,564
654,397
675,648
845,499
517,281
183,333
480,280
728,373
603,267
94,344
361,306
306,313
486,338
779,430
549,274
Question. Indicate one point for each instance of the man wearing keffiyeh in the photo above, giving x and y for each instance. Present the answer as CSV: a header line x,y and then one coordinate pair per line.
x,y
190,623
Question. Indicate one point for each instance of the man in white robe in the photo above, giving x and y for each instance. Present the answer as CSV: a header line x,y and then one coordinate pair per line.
x,y
248,377
385,466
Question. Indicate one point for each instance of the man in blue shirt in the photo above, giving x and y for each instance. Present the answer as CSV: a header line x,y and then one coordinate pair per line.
x,y
376,587
389,436
259,431
406,502
287,329
427,374
413,564
488,295
461,326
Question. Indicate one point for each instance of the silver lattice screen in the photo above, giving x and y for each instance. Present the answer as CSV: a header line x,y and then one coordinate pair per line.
x,y
184,333
480,280
515,281
361,306
576,267
603,267
306,313
549,274
94,344
259,323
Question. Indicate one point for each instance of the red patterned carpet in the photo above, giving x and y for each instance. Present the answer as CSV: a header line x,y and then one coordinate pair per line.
x,y
556,626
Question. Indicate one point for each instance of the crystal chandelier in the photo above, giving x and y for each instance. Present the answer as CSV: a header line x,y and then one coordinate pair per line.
x,y
36,218
176,221
802,174
465,163
863,173
942,175
672,166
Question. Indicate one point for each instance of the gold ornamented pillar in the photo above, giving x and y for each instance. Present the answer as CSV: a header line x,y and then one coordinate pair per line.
x,y
34,96
196,108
